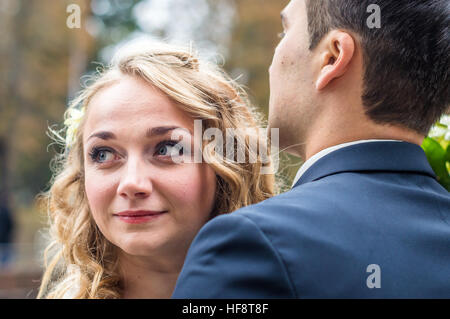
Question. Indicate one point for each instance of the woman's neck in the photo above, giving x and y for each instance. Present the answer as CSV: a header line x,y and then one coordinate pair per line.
x,y
142,279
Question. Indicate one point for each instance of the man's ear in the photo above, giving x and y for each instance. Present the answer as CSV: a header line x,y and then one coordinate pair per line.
x,y
337,51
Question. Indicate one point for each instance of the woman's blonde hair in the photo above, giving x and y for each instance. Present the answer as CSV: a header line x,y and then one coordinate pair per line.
x,y
80,261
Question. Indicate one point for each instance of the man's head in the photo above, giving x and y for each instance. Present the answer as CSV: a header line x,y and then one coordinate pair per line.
x,y
331,56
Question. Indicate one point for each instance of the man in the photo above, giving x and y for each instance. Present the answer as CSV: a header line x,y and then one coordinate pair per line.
x,y
366,217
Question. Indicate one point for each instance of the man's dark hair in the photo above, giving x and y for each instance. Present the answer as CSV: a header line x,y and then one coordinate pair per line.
x,y
406,60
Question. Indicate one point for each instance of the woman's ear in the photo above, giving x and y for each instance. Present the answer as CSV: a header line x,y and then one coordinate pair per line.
x,y
338,51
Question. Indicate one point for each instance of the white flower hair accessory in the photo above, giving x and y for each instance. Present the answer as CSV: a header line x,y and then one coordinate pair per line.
x,y
441,129
72,122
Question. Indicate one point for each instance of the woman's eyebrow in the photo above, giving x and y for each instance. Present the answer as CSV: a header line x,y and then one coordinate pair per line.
x,y
104,135
161,130
151,132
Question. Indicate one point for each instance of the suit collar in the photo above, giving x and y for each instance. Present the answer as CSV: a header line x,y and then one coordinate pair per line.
x,y
307,164
374,156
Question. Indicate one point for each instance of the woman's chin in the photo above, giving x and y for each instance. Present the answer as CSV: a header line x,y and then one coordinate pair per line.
x,y
140,248
143,245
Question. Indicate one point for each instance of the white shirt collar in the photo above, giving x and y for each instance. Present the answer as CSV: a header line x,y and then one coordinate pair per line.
x,y
327,151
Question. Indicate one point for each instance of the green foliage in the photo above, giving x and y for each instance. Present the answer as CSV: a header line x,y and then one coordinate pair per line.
x,y
437,149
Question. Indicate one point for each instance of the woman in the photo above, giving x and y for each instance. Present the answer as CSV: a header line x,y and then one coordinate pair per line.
x,y
128,200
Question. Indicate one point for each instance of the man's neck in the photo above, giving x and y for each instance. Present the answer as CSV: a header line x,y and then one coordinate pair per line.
x,y
325,139
316,157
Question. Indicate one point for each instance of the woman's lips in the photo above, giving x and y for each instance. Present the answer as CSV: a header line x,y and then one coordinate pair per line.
x,y
139,216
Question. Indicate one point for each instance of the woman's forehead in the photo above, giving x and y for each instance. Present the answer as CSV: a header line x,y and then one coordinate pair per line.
x,y
131,101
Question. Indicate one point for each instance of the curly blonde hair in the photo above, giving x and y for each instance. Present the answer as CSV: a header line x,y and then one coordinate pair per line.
x,y
80,261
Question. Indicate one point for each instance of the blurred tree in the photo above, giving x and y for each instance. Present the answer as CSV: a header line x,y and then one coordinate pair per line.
x,y
205,22
437,149
110,22
253,41
37,53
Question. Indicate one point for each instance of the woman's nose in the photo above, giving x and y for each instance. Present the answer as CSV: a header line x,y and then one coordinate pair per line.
x,y
135,183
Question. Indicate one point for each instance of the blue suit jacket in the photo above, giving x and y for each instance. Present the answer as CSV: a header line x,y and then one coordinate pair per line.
x,y
368,204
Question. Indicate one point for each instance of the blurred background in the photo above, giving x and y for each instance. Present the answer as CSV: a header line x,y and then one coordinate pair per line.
x,y
44,54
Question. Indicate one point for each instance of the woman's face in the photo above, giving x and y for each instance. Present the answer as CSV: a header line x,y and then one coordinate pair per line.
x,y
142,201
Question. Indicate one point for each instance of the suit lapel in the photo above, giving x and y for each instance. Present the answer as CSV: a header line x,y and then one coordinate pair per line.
x,y
374,156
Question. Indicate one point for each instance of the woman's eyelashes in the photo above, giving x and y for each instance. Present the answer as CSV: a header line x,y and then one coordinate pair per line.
x,y
168,149
102,155
164,150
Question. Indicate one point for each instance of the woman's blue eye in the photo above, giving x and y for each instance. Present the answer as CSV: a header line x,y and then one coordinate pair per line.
x,y
101,155
167,148
163,150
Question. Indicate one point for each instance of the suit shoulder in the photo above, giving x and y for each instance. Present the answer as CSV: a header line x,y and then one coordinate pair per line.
x,y
235,247
300,199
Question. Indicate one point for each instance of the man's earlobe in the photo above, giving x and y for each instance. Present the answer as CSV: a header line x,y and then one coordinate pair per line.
x,y
337,54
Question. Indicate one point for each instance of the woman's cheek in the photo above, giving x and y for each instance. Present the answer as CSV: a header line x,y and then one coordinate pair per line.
x,y
182,189
196,189
100,192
